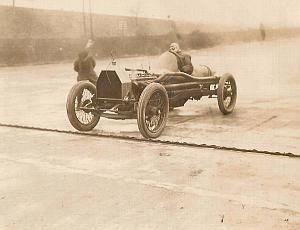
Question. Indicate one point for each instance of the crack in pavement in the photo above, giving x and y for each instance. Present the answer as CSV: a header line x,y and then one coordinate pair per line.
x,y
158,141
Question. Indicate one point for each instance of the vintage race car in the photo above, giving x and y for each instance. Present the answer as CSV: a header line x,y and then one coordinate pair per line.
x,y
123,93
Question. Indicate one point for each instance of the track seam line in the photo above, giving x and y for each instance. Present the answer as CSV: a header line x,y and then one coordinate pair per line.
x,y
187,144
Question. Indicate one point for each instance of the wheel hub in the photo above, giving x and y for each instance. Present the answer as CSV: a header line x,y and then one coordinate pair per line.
x,y
154,121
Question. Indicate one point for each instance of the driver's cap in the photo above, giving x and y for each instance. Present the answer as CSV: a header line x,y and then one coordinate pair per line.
x,y
174,47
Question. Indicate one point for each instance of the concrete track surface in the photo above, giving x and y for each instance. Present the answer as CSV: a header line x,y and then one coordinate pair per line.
x,y
59,181
52,180
266,115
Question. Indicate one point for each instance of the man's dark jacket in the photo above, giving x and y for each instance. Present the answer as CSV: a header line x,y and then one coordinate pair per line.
x,y
184,62
85,65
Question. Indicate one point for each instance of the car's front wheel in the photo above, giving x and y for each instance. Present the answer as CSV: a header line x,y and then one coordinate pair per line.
x,y
80,97
153,109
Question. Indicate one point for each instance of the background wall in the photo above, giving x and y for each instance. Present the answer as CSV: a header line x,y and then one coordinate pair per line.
x,y
45,36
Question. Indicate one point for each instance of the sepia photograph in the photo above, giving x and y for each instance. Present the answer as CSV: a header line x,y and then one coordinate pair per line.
x,y
143,115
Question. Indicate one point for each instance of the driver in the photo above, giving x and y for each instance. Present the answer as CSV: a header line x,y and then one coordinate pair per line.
x,y
184,61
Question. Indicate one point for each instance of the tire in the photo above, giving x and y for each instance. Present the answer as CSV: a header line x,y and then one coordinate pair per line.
x,y
153,110
75,112
227,93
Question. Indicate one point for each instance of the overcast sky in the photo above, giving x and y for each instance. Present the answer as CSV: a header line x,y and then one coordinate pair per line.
x,y
223,12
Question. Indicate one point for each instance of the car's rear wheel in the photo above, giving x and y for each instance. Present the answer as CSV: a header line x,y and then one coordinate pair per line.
x,y
227,93
80,97
153,109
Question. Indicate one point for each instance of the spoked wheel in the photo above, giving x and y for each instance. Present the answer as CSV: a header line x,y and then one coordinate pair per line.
x,y
79,103
153,109
227,93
